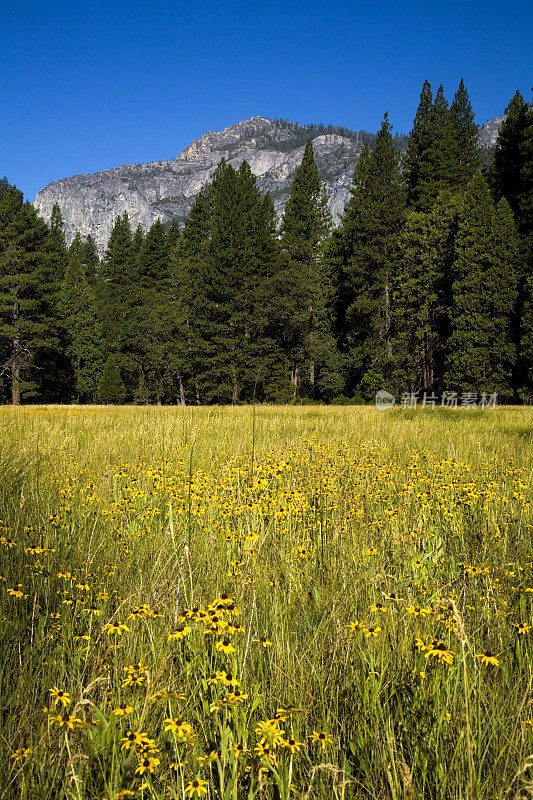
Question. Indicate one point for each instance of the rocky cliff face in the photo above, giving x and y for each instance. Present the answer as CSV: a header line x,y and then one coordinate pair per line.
x,y
164,190
488,133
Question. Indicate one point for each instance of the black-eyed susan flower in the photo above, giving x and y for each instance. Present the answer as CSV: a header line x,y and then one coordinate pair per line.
x,y
180,633
438,650
522,628
293,745
488,658
96,612
321,738
264,641
59,696
237,696
181,728
263,750
196,788
115,628
69,720
239,750
208,757
371,632
418,611
147,764
225,646
134,679
135,738
269,732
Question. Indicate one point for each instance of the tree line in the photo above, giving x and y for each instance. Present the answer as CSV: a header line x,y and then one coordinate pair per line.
x,y
426,285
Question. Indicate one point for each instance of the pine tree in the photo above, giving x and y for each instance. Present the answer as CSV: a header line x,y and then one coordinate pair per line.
x,y
138,240
56,377
188,296
438,161
303,285
226,272
174,232
117,294
511,170
150,322
87,253
224,344
420,140
511,176
28,329
421,297
469,346
56,244
373,219
465,132
239,260
110,386
82,330
502,288
442,152
4,186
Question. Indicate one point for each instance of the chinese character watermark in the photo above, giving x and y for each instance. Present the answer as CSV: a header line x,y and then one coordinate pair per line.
x,y
482,400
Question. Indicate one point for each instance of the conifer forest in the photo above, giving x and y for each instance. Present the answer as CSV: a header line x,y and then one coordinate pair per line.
x,y
426,285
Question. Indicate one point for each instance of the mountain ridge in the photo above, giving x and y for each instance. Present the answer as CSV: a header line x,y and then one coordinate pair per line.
x,y
90,203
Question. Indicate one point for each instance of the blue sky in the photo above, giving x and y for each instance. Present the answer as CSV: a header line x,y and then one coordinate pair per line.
x,y
86,86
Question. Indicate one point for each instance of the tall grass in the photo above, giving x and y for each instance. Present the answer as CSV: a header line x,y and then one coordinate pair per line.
x,y
348,596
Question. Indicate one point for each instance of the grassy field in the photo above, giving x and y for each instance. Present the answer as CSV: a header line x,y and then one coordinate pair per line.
x,y
266,603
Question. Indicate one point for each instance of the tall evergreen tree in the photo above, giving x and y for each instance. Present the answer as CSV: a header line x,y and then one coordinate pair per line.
x,y
437,163
511,176
511,170
117,292
421,296
150,330
87,253
420,140
240,258
465,133
188,295
56,378
502,289
174,232
304,288
442,152
28,330
111,389
138,240
56,244
4,186
372,222
469,346
82,330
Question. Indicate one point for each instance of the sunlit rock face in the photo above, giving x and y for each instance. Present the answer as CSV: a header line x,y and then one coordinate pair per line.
x,y
165,190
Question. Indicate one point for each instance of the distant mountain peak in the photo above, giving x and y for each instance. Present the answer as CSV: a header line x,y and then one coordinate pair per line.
x,y
166,190
233,134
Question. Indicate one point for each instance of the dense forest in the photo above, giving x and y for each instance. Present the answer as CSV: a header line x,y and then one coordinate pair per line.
x,y
425,286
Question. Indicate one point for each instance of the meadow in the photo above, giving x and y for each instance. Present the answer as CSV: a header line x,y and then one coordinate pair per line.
x,y
295,602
